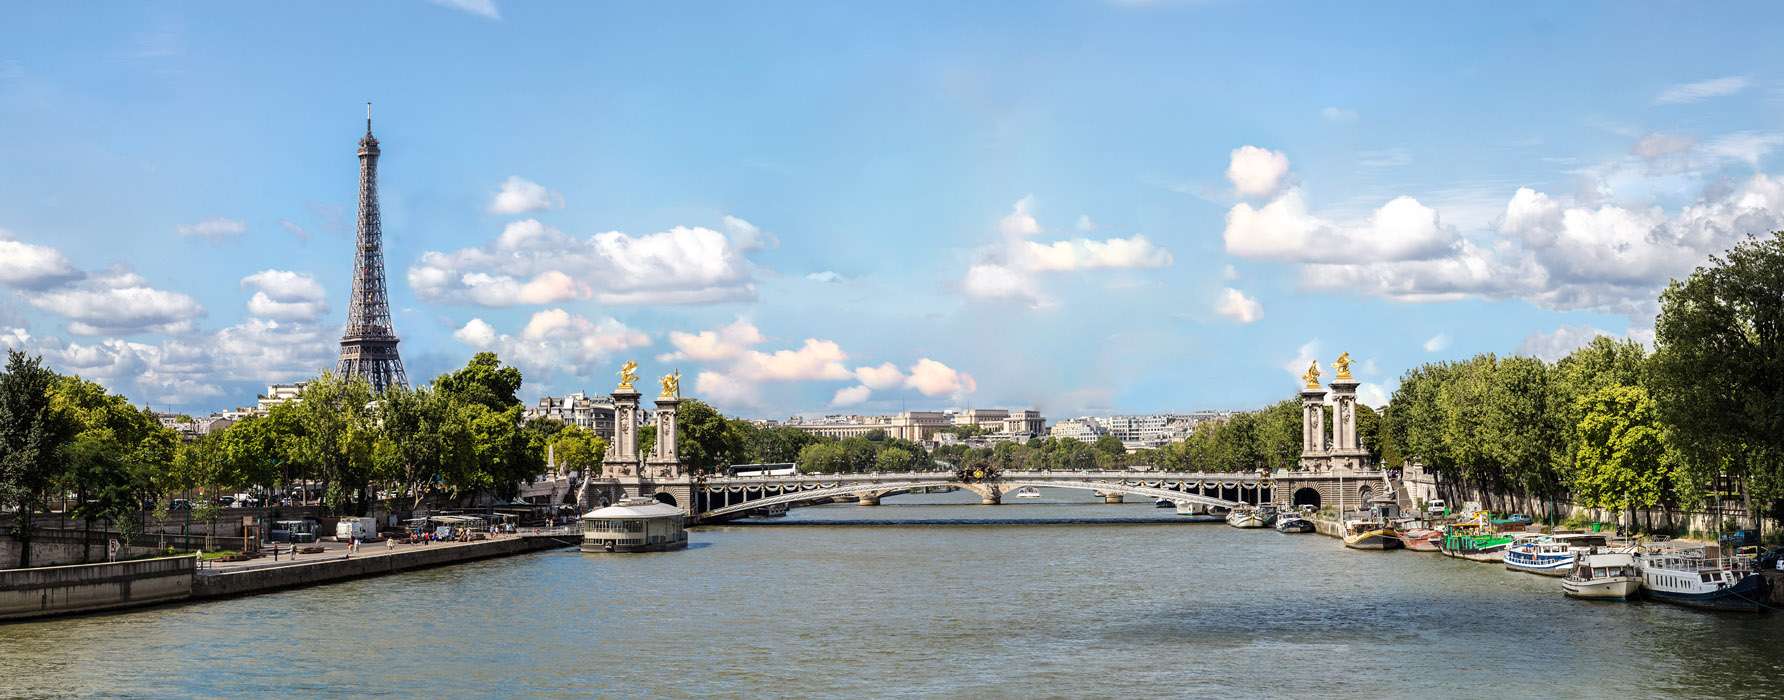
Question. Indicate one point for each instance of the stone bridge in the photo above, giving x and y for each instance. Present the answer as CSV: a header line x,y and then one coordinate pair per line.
x,y
719,498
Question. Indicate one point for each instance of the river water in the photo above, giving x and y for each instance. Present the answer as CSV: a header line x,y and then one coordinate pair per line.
x,y
1055,597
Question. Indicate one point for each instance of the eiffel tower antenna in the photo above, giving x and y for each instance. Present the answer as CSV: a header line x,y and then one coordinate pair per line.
x,y
368,346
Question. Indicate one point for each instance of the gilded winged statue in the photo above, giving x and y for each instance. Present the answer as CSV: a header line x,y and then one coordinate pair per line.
x,y
628,373
1312,375
672,385
1343,365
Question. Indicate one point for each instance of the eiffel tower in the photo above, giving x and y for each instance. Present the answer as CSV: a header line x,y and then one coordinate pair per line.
x,y
368,347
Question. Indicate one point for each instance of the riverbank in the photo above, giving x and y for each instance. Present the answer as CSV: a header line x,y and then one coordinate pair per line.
x,y
85,588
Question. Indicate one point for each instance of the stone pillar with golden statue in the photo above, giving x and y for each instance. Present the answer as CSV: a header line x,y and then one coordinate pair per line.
x,y
1347,450
1313,420
622,454
663,462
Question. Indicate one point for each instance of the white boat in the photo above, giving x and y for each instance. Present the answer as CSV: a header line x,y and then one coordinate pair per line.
x,y
1549,555
1699,577
1164,503
1247,517
1028,492
1603,575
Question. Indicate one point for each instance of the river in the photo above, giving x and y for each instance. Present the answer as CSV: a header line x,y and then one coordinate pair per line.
x,y
1097,600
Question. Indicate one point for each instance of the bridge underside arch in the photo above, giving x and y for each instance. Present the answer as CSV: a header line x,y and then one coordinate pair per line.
x,y
1305,496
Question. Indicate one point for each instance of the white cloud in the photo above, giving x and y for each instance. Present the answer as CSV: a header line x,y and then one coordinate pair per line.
x,y
531,263
1256,172
1011,270
1744,146
1659,145
1020,223
1437,343
268,350
850,396
1557,344
1085,254
1235,305
281,294
518,195
826,277
482,8
707,346
555,340
815,359
1701,90
120,302
725,390
1372,395
29,266
1338,115
214,228
885,376
1402,229
932,378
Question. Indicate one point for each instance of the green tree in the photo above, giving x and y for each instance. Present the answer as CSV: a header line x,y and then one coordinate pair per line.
x,y
1520,432
826,457
1278,430
1369,432
579,449
892,459
706,442
483,381
336,437
1623,459
421,438
1716,369
1108,445
33,433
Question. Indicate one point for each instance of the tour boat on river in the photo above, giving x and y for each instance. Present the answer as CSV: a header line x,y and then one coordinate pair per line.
x,y
1549,555
1249,517
1028,492
1700,578
1603,575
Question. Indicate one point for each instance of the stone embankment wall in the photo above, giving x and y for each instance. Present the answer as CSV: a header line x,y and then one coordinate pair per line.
x,y
57,590
336,568
58,548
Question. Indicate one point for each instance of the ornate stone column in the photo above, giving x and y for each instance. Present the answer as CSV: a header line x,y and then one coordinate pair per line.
x,y
1313,428
622,453
663,462
1347,450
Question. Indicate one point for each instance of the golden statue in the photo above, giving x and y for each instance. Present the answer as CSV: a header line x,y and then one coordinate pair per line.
x,y
1343,365
1312,375
628,373
672,385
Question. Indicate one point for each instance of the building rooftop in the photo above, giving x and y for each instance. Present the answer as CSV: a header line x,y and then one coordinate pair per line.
x,y
635,508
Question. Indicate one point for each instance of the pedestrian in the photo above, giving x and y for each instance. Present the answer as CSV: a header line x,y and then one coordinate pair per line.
x,y
389,545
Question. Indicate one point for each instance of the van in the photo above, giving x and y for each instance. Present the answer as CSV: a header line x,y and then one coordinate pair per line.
x,y
356,528
1436,506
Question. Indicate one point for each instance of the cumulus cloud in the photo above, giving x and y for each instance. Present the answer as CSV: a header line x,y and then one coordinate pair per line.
x,y
724,390
518,195
1401,229
119,302
281,294
850,396
885,376
1437,343
555,340
932,378
1013,269
214,229
1233,304
1256,172
1686,93
29,266
724,343
1372,395
531,263
1304,356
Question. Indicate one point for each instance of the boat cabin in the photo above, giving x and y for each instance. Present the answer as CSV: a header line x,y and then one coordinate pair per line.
x,y
634,525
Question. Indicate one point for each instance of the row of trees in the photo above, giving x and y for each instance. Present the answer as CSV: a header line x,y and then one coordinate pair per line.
x,y
1613,426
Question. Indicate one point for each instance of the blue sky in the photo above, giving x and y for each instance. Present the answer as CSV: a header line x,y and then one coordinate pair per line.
x,y
1084,207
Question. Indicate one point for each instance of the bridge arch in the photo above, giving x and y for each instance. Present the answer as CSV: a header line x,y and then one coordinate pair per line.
x,y
1305,496
666,498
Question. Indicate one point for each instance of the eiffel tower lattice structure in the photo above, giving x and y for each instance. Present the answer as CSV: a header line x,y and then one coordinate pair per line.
x,y
368,346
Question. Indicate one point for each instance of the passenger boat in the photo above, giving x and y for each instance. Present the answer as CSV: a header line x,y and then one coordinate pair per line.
x,y
1476,540
778,510
1247,517
1369,533
1603,575
1188,510
1290,523
1549,555
1164,503
1698,577
1028,492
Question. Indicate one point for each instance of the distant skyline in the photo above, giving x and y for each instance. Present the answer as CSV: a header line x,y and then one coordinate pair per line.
x,y
1082,207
